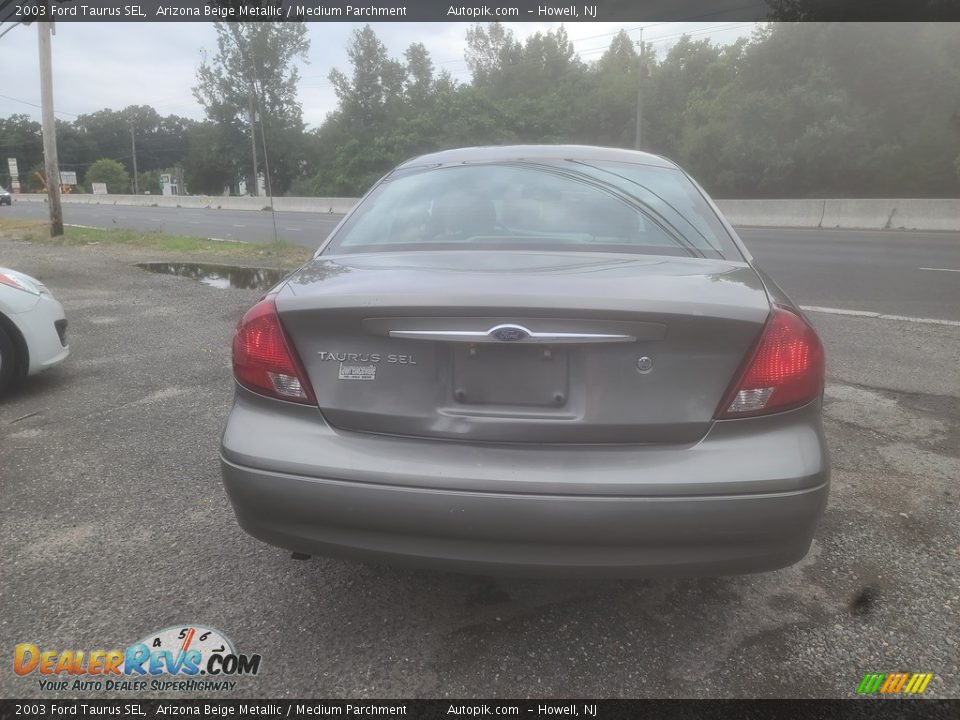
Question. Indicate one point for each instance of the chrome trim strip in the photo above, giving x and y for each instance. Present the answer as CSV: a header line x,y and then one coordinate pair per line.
x,y
489,336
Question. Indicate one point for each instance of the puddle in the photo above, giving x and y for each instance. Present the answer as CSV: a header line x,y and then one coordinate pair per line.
x,y
220,276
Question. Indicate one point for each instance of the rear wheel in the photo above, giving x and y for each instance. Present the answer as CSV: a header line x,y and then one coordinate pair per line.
x,y
8,360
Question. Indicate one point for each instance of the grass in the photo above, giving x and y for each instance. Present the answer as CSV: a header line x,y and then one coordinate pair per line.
x,y
35,231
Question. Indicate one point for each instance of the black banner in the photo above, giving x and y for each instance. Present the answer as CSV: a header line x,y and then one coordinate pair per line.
x,y
475,11
587,709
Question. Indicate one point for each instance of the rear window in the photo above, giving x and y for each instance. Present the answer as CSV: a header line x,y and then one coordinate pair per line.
x,y
561,205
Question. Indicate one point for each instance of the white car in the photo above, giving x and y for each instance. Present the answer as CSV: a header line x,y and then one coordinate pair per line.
x,y
33,327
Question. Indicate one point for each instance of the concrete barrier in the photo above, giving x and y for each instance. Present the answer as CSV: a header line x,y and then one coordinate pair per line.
x,y
853,214
882,214
909,214
773,213
321,205
213,202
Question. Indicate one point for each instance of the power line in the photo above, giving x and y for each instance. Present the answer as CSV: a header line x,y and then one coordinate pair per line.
x,y
27,102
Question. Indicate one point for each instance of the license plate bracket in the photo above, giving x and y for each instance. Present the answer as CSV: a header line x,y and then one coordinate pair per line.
x,y
529,376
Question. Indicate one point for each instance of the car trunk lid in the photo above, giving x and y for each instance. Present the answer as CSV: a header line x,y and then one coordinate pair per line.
x,y
523,347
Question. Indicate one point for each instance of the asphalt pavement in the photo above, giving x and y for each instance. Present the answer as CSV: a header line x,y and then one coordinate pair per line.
x,y
905,273
307,229
897,272
115,524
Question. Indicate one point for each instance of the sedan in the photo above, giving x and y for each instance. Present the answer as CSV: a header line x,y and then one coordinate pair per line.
x,y
33,328
5,198
531,360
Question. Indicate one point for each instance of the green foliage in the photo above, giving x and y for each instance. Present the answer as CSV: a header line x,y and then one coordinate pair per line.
x,y
149,182
110,172
210,166
162,142
20,138
253,76
828,110
797,110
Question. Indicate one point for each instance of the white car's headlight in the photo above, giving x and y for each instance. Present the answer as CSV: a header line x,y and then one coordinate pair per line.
x,y
21,282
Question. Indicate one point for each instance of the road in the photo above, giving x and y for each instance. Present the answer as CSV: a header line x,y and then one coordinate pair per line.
x,y
115,524
902,273
874,271
307,229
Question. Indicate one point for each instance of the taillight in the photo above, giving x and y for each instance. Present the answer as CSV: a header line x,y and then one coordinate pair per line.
x,y
785,370
264,360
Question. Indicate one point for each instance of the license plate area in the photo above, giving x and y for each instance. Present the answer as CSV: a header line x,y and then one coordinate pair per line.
x,y
529,376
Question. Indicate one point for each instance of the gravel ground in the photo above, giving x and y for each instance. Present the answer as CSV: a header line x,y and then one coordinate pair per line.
x,y
115,524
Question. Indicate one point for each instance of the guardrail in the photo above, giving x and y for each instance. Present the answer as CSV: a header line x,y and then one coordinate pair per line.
x,y
883,214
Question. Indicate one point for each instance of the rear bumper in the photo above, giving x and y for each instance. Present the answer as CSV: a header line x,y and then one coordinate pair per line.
x,y
526,534
534,511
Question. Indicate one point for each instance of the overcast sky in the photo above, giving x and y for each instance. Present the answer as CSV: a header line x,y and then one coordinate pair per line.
x,y
113,65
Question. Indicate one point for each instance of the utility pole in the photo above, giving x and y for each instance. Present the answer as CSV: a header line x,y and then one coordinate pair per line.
x,y
251,89
133,145
258,87
253,143
49,125
638,143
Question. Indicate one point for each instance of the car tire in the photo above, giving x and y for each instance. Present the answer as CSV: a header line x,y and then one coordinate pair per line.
x,y
8,360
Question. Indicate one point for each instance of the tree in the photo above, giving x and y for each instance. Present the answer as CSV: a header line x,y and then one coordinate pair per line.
x,y
110,172
373,85
162,142
209,167
419,81
20,138
608,117
149,182
490,49
253,74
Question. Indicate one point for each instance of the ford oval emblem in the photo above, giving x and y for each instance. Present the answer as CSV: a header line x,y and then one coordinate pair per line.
x,y
509,333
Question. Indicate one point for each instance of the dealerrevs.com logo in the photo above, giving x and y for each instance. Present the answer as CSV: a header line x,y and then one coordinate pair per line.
x,y
181,658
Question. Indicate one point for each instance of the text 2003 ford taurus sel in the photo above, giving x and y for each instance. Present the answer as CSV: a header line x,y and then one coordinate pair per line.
x,y
531,360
